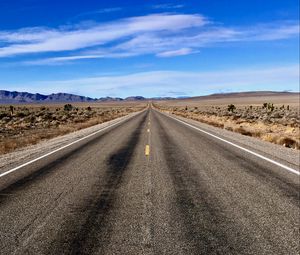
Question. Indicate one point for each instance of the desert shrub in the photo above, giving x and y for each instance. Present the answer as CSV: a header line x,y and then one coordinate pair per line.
x,y
3,114
43,108
243,131
89,108
288,142
231,108
21,114
228,128
47,116
68,107
269,106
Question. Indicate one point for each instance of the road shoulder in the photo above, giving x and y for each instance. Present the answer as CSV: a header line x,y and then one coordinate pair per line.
x,y
285,155
18,157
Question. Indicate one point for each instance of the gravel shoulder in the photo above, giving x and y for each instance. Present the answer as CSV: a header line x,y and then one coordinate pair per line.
x,y
22,155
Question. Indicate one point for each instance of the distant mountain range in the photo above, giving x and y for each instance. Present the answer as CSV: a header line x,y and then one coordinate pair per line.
x,y
7,97
247,94
11,97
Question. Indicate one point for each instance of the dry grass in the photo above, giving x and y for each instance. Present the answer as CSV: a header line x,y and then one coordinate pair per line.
x,y
29,124
280,125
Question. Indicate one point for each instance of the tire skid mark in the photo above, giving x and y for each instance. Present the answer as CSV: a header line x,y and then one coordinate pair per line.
x,y
263,174
205,227
32,179
94,232
45,171
40,175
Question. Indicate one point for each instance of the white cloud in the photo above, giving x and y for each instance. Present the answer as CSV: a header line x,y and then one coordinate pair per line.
x,y
100,11
67,40
168,6
180,52
31,35
163,35
62,60
157,83
273,32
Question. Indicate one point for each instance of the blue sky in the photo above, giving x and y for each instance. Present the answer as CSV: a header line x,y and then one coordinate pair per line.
x,y
149,48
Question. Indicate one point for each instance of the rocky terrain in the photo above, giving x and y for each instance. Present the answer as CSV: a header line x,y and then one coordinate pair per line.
x,y
279,124
25,125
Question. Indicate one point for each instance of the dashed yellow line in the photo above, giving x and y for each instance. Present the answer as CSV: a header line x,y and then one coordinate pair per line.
x,y
147,150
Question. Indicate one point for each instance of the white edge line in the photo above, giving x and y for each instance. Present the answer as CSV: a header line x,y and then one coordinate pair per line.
x,y
65,146
240,147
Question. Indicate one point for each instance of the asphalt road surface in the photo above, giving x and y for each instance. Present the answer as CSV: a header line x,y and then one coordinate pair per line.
x,y
184,193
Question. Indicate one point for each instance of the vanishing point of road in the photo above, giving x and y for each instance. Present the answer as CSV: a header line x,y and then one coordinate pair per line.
x,y
151,185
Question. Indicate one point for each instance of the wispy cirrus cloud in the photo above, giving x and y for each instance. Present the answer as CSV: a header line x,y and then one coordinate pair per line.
x,y
180,44
162,35
99,11
27,35
104,10
163,82
61,60
167,6
68,40
179,52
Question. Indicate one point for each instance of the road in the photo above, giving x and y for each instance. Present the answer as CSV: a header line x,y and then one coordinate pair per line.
x,y
192,194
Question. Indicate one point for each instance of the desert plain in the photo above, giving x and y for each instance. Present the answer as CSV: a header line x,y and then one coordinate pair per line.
x,y
27,124
270,116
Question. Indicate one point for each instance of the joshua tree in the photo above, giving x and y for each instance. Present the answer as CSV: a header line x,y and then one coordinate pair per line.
x,y
11,108
270,107
231,108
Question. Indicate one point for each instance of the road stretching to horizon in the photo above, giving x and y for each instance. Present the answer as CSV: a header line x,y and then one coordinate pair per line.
x,y
151,185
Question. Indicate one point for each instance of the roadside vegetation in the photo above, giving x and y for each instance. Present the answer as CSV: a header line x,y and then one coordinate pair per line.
x,y
23,125
279,124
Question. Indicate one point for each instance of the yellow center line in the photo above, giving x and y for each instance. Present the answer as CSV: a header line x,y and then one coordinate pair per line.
x,y
147,150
